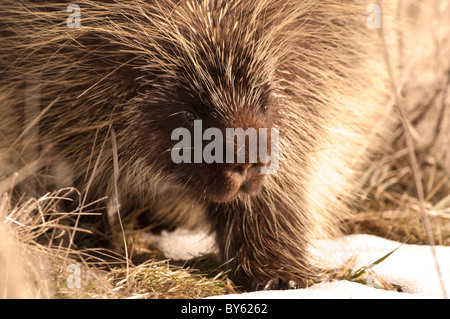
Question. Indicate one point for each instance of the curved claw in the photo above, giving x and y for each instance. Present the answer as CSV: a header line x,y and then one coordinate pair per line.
x,y
272,284
275,284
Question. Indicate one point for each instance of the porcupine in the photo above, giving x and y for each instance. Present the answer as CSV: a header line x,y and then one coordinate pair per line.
x,y
112,91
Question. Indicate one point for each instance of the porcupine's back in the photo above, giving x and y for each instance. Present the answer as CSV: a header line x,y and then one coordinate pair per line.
x,y
322,64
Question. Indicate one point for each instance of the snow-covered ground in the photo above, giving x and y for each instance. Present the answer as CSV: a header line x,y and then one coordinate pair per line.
x,y
411,267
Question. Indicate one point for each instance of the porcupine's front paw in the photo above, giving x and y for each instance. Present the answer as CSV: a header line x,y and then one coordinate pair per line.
x,y
275,284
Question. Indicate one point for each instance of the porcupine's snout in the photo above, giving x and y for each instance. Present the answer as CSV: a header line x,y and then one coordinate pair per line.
x,y
230,156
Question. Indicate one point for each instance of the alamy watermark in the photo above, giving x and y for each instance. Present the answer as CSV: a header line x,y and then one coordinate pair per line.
x,y
74,19
214,152
74,280
191,150
374,20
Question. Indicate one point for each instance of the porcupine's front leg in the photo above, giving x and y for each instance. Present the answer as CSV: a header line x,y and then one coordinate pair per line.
x,y
263,249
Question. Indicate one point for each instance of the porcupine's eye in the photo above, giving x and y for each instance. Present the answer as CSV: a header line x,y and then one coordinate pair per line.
x,y
190,116
264,109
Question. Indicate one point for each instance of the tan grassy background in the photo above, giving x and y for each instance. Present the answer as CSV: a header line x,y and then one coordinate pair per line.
x,y
392,206
34,260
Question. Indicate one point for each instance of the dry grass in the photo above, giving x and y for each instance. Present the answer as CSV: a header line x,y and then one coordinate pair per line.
x,y
407,189
41,234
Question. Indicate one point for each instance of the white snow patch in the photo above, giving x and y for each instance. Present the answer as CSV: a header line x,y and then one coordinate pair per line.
x,y
326,290
183,244
412,267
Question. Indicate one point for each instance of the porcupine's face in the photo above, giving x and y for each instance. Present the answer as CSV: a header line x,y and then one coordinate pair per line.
x,y
178,119
219,83
198,163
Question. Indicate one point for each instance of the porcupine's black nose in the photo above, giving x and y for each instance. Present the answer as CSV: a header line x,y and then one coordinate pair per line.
x,y
247,176
243,168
